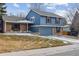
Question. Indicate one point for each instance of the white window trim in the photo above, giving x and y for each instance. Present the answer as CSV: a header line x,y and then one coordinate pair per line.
x,y
32,18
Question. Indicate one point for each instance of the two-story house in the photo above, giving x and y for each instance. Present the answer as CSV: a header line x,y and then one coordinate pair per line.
x,y
45,23
39,22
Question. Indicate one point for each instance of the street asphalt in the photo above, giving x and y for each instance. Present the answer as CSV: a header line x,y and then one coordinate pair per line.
x,y
69,50
68,53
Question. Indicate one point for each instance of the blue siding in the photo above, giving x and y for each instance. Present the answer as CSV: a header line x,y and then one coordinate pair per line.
x,y
62,22
53,20
46,31
42,20
34,29
37,17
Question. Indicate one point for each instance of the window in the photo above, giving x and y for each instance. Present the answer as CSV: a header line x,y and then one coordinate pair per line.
x,y
57,20
48,20
32,18
15,27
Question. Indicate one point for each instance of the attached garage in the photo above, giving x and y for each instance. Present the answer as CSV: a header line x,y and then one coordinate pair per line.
x,y
45,31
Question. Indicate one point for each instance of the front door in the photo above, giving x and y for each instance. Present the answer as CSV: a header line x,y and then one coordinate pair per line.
x,y
56,30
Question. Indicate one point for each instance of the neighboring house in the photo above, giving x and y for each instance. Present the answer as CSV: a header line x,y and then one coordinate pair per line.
x,y
39,22
75,24
45,23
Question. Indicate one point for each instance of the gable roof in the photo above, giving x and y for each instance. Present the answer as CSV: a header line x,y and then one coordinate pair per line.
x,y
43,13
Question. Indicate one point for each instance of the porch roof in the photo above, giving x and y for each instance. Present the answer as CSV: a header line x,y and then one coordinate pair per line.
x,y
15,19
20,21
48,26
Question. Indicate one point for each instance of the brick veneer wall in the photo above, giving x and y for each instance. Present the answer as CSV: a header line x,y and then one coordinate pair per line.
x,y
8,27
23,27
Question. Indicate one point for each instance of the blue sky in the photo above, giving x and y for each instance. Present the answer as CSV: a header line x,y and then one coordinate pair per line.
x,y
17,8
58,8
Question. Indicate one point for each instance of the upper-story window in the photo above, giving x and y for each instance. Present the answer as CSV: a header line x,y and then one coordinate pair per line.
x,y
32,18
57,20
48,20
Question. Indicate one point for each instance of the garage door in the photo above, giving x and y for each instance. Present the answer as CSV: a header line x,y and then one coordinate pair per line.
x,y
45,31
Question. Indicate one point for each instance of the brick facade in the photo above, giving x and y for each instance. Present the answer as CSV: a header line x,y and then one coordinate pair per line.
x,y
8,27
23,27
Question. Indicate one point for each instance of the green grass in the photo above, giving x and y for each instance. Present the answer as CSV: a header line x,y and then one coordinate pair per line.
x,y
10,43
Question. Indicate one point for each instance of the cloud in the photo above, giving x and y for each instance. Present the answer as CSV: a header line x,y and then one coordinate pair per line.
x,y
61,12
49,7
54,5
16,5
66,4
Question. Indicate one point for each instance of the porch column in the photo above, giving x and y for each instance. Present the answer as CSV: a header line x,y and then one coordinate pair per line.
x,y
55,31
27,27
4,26
61,30
39,31
20,28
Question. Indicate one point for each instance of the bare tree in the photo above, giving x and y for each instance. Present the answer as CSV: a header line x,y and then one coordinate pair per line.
x,y
69,15
71,12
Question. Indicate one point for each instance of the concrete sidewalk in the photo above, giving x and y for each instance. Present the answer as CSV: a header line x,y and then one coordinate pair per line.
x,y
76,41
64,38
44,51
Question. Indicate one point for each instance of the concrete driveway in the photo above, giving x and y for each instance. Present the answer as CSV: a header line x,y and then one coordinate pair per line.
x,y
44,51
65,38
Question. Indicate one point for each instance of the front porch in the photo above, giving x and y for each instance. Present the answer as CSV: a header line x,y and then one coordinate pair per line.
x,y
57,30
16,27
61,30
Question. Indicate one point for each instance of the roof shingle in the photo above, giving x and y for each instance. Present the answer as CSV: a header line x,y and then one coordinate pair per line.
x,y
43,13
15,19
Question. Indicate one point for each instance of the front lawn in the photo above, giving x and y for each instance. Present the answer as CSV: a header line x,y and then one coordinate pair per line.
x,y
10,43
